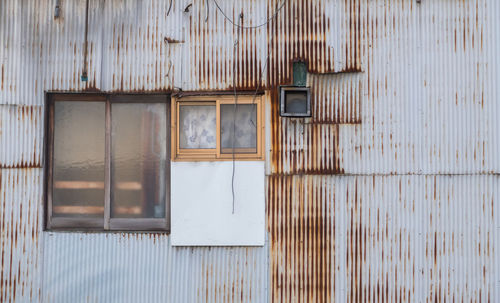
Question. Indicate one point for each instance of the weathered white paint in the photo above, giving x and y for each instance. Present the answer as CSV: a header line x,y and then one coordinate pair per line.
x,y
202,204
144,267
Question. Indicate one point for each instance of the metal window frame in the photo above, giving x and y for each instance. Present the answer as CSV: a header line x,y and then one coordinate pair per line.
x,y
105,224
284,90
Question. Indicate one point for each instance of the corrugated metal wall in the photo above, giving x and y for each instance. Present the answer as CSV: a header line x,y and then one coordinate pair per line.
x,y
387,194
383,238
146,268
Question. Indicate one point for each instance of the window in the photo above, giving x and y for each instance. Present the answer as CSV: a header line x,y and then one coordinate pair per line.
x,y
217,128
107,164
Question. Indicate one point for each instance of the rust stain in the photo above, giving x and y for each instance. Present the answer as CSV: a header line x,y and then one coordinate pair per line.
x,y
302,242
217,286
2,77
27,119
300,32
16,260
303,148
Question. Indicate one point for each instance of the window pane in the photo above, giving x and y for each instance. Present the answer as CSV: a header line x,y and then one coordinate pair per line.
x,y
138,158
78,176
244,117
197,126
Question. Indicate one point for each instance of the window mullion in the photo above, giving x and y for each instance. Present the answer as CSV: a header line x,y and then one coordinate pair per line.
x,y
217,128
107,174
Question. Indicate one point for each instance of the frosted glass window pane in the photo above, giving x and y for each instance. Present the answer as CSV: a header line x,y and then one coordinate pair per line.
x,y
245,128
78,175
138,158
197,126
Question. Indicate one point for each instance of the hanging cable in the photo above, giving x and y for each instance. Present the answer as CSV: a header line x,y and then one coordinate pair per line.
x,y
236,44
169,7
251,27
208,11
84,76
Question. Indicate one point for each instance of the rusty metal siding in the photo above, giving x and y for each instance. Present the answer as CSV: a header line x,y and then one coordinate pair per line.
x,y
336,99
383,238
19,60
20,222
325,34
116,267
420,99
301,220
429,97
22,125
137,47
61,44
210,45
135,54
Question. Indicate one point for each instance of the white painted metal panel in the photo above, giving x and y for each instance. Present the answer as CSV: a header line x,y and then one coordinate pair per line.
x,y
202,203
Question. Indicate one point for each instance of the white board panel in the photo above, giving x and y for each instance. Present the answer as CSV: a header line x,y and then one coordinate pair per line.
x,y
202,204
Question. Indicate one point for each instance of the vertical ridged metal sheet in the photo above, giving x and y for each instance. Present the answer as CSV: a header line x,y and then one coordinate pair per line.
x,y
22,125
427,105
383,238
20,229
211,54
61,46
138,47
19,56
131,267
429,94
419,102
324,34
336,98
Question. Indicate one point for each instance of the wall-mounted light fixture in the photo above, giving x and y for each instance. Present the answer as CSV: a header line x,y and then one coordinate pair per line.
x,y
295,101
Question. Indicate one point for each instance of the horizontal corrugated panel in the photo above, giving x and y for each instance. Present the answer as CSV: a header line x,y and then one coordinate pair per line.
x,y
21,136
114,267
20,226
383,238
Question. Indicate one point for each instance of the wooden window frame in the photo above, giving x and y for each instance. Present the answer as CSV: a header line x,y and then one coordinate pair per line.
x,y
105,224
193,155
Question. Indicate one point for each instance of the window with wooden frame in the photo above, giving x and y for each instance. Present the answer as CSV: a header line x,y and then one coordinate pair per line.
x,y
107,162
212,128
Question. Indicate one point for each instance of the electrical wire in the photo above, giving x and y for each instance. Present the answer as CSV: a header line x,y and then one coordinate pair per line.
x,y
234,82
236,44
208,11
251,27
169,7
85,43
